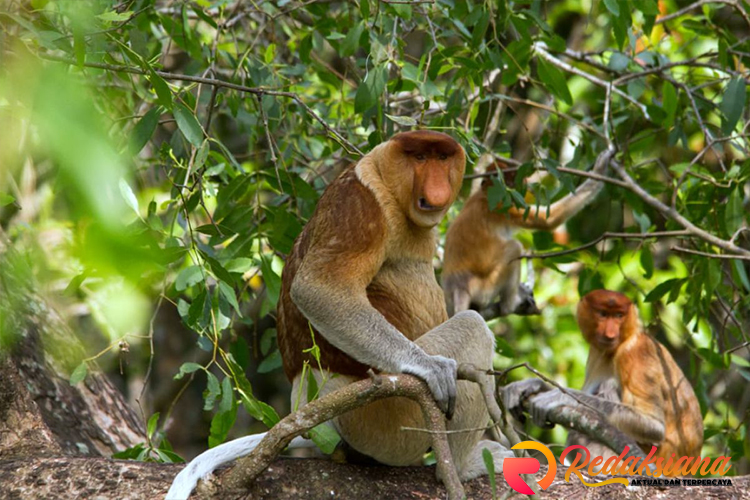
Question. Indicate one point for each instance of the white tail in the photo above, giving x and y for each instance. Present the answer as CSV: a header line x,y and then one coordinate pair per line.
x,y
209,460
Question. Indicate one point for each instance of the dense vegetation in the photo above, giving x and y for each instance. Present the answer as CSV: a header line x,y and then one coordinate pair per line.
x,y
161,156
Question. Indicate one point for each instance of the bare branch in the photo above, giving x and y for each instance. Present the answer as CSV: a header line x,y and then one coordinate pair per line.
x,y
711,255
606,236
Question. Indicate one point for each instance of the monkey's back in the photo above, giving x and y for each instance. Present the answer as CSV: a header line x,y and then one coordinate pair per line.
x,y
662,382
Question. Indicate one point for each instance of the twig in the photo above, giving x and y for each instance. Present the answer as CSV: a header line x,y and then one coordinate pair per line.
x,y
541,49
711,255
674,214
701,3
219,83
606,236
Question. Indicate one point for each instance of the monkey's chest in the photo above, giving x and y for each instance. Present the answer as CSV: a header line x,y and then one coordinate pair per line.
x,y
407,294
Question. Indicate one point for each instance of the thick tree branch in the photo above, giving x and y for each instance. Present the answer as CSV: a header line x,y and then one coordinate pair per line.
x,y
341,401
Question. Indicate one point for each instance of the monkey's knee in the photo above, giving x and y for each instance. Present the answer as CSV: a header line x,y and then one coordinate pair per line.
x,y
473,326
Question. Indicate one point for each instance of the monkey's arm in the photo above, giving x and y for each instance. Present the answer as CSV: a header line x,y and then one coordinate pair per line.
x,y
644,424
330,290
568,206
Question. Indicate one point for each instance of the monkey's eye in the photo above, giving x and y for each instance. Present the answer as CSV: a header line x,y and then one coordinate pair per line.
x,y
443,156
419,156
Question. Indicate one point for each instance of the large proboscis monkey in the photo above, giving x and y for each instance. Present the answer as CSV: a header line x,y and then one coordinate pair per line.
x,y
630,378
481,262
360,278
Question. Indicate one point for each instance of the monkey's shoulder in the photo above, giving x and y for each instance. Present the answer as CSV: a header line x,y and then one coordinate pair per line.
x,y
347,219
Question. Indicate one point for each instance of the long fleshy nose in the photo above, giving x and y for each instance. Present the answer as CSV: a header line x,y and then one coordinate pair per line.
x,y
436,193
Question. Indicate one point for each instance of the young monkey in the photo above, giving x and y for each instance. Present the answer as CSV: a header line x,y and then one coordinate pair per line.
x,y
481,260
630,378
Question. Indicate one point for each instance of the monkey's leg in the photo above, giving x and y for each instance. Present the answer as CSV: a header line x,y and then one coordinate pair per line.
x,y
375,430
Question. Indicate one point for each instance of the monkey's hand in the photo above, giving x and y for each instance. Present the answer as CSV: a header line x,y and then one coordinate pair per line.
x,y
542,404
514,395
526,305
440,374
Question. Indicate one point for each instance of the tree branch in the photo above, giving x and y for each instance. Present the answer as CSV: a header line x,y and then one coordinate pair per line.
x,y
341,401
218,83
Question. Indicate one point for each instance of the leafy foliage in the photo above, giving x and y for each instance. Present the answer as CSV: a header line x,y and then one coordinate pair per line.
x,y
170,152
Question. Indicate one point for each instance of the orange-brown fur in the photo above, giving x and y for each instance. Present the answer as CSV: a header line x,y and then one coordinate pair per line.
x,y
365,239
481,255
649,379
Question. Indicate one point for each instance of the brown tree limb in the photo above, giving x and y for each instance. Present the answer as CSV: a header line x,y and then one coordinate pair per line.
x,y
341,401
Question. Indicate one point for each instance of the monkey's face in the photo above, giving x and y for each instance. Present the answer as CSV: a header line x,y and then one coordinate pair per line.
x,y
602,316
429,171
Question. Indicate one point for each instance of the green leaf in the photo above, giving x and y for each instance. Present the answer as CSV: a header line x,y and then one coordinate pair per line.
x,y
151,425
739,269
227,395
490,464
504,348
186,368
115,17
163,94
734,213
221,424
228,293
554,80
619,61
270,363
188,277
144,130
364,8
79,373
129,196
732,104
669,102
351,43
647,261
406,121
663,288
325,437
6,199
188,124
370,90
613,6
271,279
213,391
201,154
477,34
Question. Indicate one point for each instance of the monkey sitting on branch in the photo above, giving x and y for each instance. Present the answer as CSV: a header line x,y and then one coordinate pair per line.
x,y
631,380
360,280
482,258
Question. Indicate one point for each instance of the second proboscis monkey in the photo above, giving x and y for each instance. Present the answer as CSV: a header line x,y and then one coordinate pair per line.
x,y
630,378
481,262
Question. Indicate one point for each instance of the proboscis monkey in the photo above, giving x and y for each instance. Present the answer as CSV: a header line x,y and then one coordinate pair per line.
x,y
481,262
630,378
360,276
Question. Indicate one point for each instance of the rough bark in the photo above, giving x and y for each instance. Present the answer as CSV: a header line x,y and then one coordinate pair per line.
x,y
41,414
289,478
